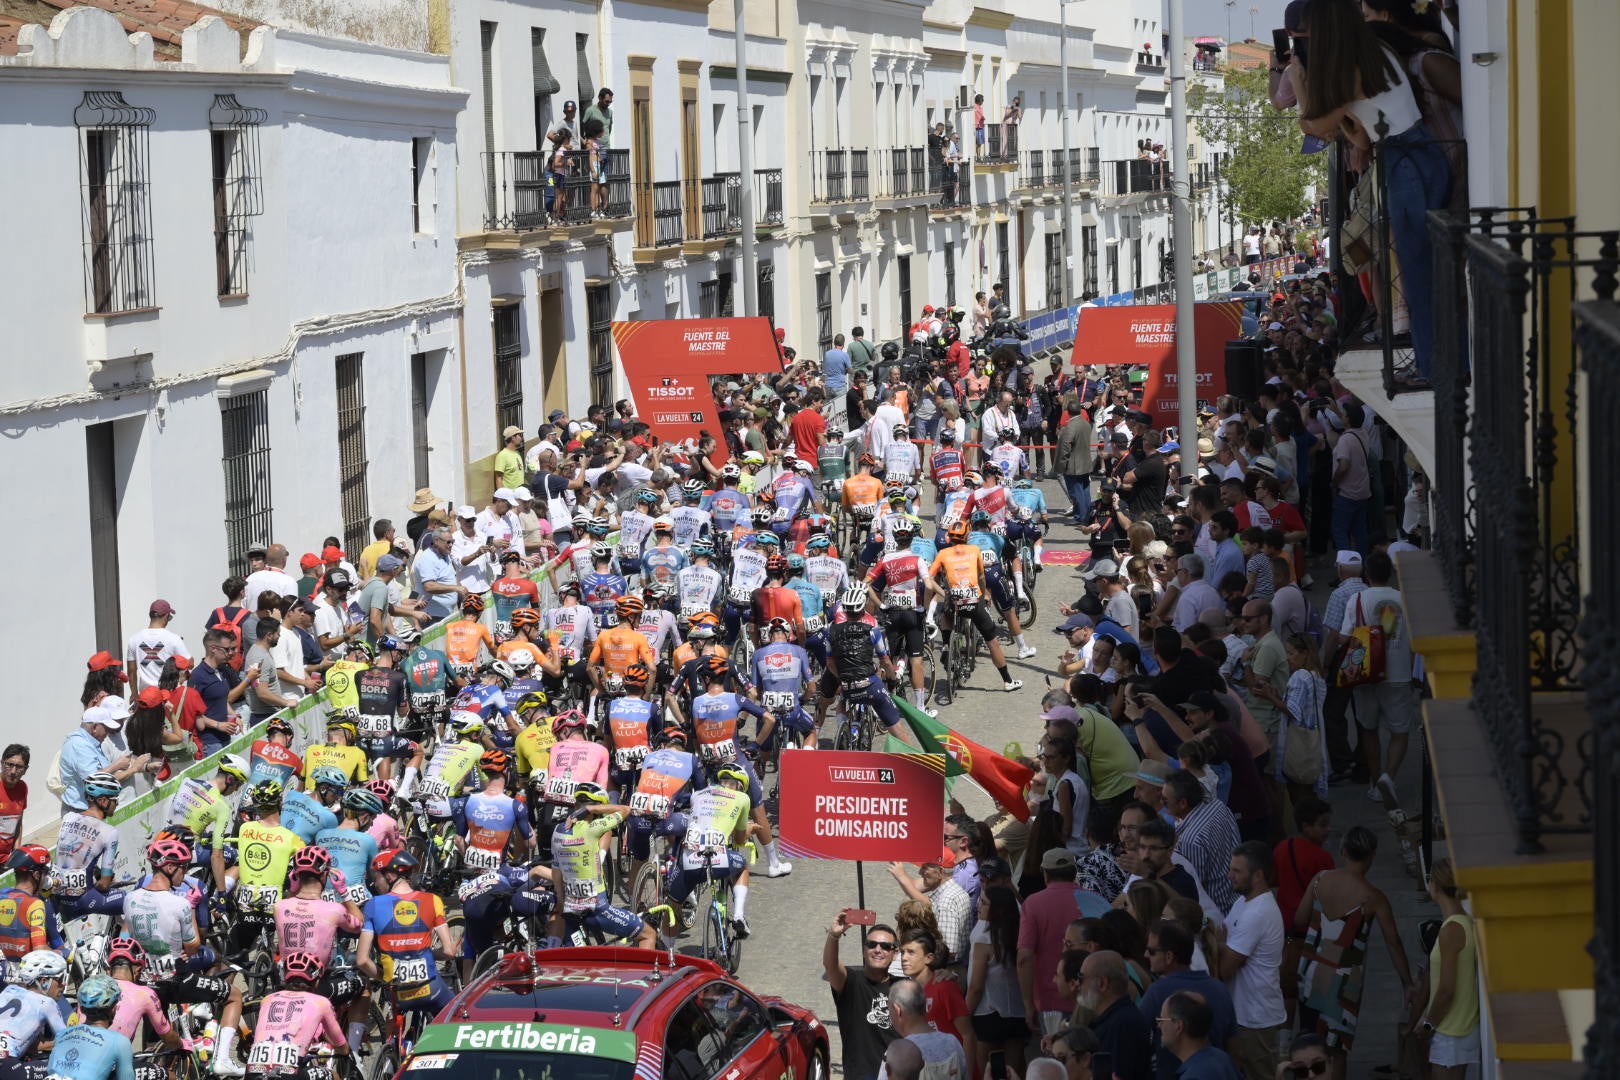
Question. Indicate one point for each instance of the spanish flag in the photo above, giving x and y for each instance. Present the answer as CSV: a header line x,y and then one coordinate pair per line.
x,y
1002,778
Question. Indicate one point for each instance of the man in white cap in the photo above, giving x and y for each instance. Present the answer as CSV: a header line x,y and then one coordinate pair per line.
x,y
499,524
528,518
1341,758
83,753
472,553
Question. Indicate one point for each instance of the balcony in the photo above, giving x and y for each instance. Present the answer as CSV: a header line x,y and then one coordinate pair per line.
x,y
902,173
1033,175
953,185
523,194
660,218
1000,145
839,178
713,204
1134,176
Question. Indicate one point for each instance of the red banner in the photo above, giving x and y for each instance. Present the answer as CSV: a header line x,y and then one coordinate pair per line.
x,y
1146,334
861,806
668,363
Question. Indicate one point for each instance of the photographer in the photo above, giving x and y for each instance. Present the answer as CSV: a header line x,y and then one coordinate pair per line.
x,y
1109,522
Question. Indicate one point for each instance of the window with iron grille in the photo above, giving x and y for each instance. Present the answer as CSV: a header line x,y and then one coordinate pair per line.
x,y
727,303
1136,261
765,283
903,268
599,308
950,274
1054,270
245,445
116,196
351,427
1113,269
421,400
1003,255
708,297
1088,258
508,367
238,190
486,47
824,330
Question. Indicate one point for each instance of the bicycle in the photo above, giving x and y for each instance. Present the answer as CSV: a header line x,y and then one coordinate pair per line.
x,y
720,942
961,655
1026,603
857,721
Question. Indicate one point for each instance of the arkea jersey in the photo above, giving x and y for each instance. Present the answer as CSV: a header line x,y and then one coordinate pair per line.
x,y
945,465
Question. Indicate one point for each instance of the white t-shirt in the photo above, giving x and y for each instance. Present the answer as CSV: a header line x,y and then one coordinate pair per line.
x,y
1381,606
1254,928
276,581
1251,244
149,649
476,575
288,655
943,1058
1001,992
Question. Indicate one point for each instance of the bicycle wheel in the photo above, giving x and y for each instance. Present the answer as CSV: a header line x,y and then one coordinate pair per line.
x,y
863,730
647,891
929,673
1026,606
844,740
713,942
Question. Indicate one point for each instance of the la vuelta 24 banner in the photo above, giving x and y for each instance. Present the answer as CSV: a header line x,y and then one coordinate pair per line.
x,y
862,806
668,363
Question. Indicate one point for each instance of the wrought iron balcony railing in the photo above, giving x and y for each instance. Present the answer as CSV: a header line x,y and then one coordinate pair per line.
x,y
1134,176
660,217
840,176
1000,144
525,190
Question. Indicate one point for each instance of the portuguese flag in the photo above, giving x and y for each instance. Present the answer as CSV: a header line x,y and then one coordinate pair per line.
x,y
1002,778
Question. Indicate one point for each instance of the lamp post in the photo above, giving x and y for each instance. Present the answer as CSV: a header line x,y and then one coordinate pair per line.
x,y
1181,241
1068,206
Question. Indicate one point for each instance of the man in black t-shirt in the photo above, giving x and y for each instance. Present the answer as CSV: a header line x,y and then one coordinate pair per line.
x,y
1144,485
861,997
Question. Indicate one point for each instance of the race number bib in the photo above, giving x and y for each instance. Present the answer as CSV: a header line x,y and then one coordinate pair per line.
x,y
375,725
475,858
814,623
259,899
273,1055
740,596
432,787
649,805
71,882
899,598
357,894
427,703
580,895
777,700
691,611
716,752
629,757
783,514
347,712
411,969
864,511
629,550
708,840
965,595
477,887
160,967
560,789
462,671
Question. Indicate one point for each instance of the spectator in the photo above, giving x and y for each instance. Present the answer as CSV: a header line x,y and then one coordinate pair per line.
x,y
273,577
336,624
902,1061
1074,460
1250,961
1170,954
382,532
1040,934
1206,833
13,796
836,367
1337,706
861,997
1307,1057
1301,857
1009,127
498,523
993,996
83,752
978,124
601,113
310,583
1184,1024
220,688
1197,595
1120,1027
953,908
185,707
264,694
422,505
472,554
1452,1013
1392,703
1352,482
942,1054
1158,860
921,958
151,648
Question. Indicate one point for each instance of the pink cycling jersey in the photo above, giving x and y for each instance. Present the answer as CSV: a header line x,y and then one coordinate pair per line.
x,y
385,830
139,1003
311,925
580,761
299,1018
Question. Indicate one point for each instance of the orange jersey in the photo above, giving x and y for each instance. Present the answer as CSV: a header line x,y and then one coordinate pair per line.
x,y
963,565
778,602
462,639
619,647
684,653
863,491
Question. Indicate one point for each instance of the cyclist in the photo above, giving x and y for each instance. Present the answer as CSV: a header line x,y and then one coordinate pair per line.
x,y
881,538
272,757
384,828
572,631
406,928
139,1005
659,626
663,789
29,1005
513,591
575,760
953,504
350,844
635,527
189,889
159,916
1009,457
384,707
577,555
902,461
698,585
962,566
620,646
1029,517
309,811
603,586
811,601
266,848
451,766
832,461
533,748
795,495
727,503
990,496
342,696
775,601
715,714
749,555
993,547
945,464
427,678
204,807
825,570
664,561
690,519
781,674
903,586
751,462
86,853
631,720
863,493
338,752
576,872
857,660
90,1049
467,640
487,698
489,817
718,829
293,1019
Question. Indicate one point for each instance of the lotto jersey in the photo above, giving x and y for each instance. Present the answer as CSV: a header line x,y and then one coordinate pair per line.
x,y
272,761
512,593
264,853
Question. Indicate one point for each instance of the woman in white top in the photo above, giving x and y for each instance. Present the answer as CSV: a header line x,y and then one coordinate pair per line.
x,y
993,994
1067,791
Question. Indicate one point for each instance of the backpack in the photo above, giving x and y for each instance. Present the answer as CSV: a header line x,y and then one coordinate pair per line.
x,y
232,626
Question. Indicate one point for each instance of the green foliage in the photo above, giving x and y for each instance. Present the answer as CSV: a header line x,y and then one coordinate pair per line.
x,y
1267,177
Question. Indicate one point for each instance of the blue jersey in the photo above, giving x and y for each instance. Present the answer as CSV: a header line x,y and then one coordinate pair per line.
x,y
87,1052
24,1016
661,564
721,708
303,814
485,699
1032,499
925,549
781,671
989,542
522,686
352,851
602,591
726,506
810,598
793,493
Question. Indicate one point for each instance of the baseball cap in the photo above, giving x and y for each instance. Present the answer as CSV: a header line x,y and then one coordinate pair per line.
x,y
1137,416
258,549
389,562
1121,439
556,415
159,609
1100,568
1170,447
466,513
1079,620
1153,772
308,607
183,663
339,579
309,560
1202,700
332,553
1348,558
98,715
151,698
522,494
103,660
504,495
1058,858
1061,712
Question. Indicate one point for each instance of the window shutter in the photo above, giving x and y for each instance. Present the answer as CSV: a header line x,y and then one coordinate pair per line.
x,y
544,81
582,51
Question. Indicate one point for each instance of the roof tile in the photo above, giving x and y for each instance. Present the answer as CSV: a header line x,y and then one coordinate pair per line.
x,y
165,20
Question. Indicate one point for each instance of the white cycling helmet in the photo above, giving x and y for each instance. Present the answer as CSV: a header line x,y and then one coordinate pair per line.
x,y
39,965
855,596
235,765
522,660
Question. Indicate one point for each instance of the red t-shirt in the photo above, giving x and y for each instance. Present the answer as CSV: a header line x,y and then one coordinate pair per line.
x,y
945,1005
805,426
13,801
1287,518
189,705
1298,860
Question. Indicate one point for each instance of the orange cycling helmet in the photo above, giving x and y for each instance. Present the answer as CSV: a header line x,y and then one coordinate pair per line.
x,y
473,605
715,667
957,533
776,566
630,607
705,618
494,761
637,674
525,619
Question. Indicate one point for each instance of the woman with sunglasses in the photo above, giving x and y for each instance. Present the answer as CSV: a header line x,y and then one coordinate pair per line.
x,y
1307,1059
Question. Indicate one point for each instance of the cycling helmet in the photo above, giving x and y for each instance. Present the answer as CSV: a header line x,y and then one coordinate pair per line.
x,y
834,434
364,648
701,632
733,773
868,461
233,765
702,549
951,333
328,776
390,643
572,720
526,618
992,469
904,527
39,965
855,597
778,626
767,539
311,861
714,667
673,732
99,993
601,551
269,793
802,466
101,785
161,853
693,489
33,859
663,590
570,589
1023,482
521,660
581,519
957,533
761,515
598,526
730,471
361,801
500,669
589,792
972,478
1008,435
339,723
181,833
467,723
473,605
278,725
776,565
795,562
397,860
637,675
613,684
817,523
902,430
981,517
818,543
302,965
494,761
890,350
383,789
533,701
410,638
705,618
947,435
753,457
898,496
630,607
648,496
126,950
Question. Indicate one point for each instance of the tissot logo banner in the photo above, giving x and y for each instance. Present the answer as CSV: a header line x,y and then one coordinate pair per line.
x,y
1146,334
839,804
668,363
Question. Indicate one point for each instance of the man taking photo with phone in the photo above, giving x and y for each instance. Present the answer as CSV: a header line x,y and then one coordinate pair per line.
x,y
861,992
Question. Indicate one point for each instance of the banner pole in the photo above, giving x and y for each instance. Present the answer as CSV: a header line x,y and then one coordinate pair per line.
x,y
860,900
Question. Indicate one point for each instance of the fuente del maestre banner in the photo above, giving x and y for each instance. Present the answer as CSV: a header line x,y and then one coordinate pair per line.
x,y
1146,334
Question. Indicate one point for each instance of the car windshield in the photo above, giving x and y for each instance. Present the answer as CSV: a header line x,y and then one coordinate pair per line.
x,y
515,1065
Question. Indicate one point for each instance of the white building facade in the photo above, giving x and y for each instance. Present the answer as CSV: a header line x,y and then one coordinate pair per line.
x,y
228,279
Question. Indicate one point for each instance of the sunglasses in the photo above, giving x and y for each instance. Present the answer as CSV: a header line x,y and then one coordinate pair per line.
x,y
1299,1070
886,946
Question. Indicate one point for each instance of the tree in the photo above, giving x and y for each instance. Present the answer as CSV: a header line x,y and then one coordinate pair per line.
x,y
1266,175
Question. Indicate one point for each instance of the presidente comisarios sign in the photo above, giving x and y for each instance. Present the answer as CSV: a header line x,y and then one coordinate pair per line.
x,y
1145,334
851,804
668,362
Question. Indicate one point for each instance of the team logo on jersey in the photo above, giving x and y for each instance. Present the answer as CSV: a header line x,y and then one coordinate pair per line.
x,y
8,912
338,681
256,856
777,660
405,912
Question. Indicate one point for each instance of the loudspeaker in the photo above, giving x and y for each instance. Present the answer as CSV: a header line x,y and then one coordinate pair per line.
x,y
1243,369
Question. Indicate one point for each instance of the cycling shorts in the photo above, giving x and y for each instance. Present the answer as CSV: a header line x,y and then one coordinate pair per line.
x,y
904,629
342,987
1001,593
609,921
193,988
643,829
389,746
682,881
979,616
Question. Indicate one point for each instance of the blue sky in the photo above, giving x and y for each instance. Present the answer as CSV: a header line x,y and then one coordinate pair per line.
x,y
1209,17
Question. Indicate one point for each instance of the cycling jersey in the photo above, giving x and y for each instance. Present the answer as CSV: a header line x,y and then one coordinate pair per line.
x,y
630,725
91,1052
312,924
465,640
385,830
447,771
962,566
305,815
952,508
198,805
404,924
489,821
892,521
780,670
352,851
924,549
575,851
714,716
726,506
856,647
698,587
898,580
811,602
139,1005
1012,459
990,543
945,465
342,696
86,848
793,494
686,652
833,461
24,921
862,494
351,760
662,563
265,851
747,574
665,773
1030,499
659,628
634,528
602,591
534,745
777,602
828,574
571,629
718,813
290,1022
992,500
690,523
900,461
512,593
617,648
510,649
164,923
427,674
574,762
272,761
24,1014
487,700
382,697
